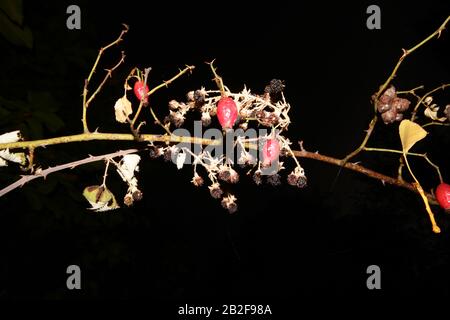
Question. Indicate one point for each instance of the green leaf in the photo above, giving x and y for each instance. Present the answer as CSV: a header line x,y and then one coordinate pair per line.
x,y
13,9
35,129
42,100
19,36
51,121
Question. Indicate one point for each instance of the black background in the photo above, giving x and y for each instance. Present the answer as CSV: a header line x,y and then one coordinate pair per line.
x,y
178,244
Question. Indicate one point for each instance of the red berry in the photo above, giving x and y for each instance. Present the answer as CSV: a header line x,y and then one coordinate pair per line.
x,y
443,196
227,112
271,150
140,90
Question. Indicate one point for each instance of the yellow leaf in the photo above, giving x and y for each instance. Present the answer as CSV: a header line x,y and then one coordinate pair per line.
x,y
410,133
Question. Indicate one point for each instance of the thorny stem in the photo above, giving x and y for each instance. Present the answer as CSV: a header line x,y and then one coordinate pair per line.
x,y
364,142
181,139
387,82
164,84
217,79
422,155
44,173
407,52
106,172
158,122
412,91
86,101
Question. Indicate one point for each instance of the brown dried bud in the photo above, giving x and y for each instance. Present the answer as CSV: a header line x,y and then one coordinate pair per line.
x,y
173,105
229,203
199,97
389,116
447,111
257,178
261,114
383,107
206,119
297,180
272,119
400,104
154,152
128,200
137,195
274,179
399,117
275,87
168,155
197,180
190,96
243,125
384,103
176,119
234,176
215,191
388,95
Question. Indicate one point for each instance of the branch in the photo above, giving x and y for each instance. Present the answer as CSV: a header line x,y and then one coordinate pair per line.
x,y
387,82
421,100
407,52
43,173
86,101
184,139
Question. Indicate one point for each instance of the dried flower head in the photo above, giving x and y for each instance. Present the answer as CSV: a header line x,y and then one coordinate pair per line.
x,y
155,152
297,178
176,118
215,191
274,179
190,96
199,97
197,180
257,177
229,203
447,111
206,119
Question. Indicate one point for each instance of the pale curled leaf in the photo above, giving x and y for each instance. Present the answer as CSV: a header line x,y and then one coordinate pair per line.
x,y
123,109
128,165
100,198
12,136
410,133
432,114
18,157
181,157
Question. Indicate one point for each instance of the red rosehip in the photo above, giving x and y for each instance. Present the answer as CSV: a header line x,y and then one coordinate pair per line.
x,y
140,91
227,112
443,196
271,150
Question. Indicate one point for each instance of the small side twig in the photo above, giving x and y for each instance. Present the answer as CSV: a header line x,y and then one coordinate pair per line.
x,y
87,100
164,84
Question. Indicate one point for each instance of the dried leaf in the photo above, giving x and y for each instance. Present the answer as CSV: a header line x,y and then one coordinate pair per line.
x,y
100,198
12,136
410,133
128,165
123,109
18,157
181,157
432,114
